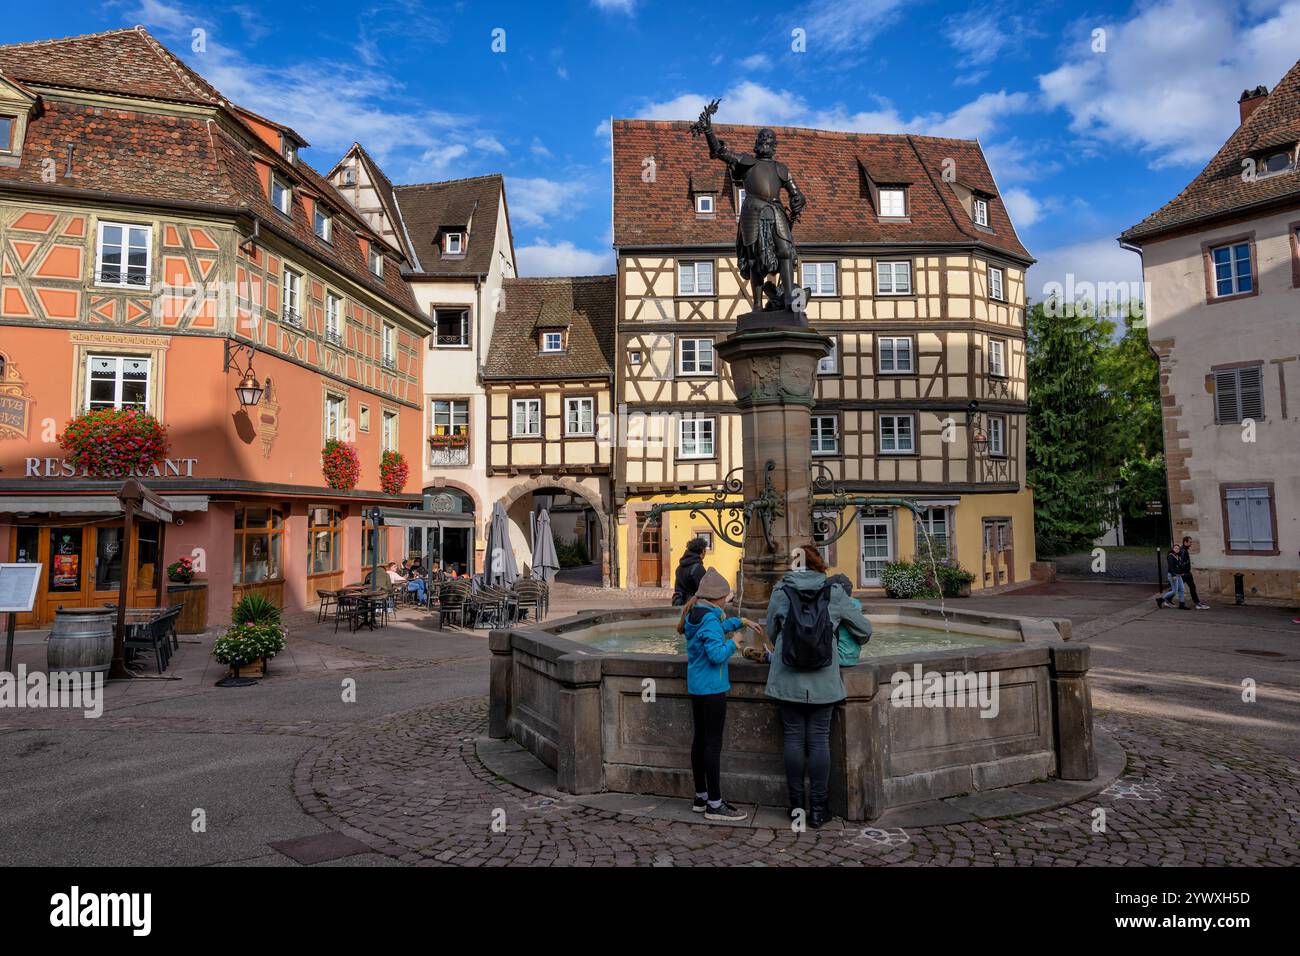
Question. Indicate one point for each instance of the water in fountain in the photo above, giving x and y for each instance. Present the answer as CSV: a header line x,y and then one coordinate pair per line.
x,y
934,569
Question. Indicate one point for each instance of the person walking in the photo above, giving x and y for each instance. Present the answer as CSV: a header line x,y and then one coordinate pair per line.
x,y
707,649
804,616
1174,574
690,571
1186,573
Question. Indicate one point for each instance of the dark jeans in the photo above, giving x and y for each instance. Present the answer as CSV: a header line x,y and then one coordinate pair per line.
x,y
1191,586
807,732
710,713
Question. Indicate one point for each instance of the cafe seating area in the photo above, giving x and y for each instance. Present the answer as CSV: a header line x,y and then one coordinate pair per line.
x,y
462,602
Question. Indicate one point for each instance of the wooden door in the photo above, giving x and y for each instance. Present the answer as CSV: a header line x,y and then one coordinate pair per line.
x,y
998,562
649,565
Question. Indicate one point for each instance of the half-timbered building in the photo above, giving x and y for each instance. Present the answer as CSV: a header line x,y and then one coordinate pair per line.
x,y
910,264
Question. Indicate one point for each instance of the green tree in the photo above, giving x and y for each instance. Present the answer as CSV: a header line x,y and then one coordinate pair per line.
x,y
1071,465
1130,375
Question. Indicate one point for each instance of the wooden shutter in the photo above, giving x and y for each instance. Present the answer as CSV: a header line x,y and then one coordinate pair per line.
x,y
1250,388
1250,519
1226,407
1238,520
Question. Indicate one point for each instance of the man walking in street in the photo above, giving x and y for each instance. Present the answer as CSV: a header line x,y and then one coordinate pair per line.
x,y
1185,556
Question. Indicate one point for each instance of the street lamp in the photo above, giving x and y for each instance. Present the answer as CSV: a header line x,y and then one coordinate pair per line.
x,y
248,391
979,441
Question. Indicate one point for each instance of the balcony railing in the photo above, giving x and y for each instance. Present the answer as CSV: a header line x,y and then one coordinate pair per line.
x,y
128,277
333,337
453,340
449,449
291,317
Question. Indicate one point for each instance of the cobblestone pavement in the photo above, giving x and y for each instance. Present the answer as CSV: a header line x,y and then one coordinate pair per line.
x,y
411,786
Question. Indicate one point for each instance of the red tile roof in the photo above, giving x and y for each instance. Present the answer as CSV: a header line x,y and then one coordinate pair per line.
x,y
1219,191
830,168
135,153
583,304
431,208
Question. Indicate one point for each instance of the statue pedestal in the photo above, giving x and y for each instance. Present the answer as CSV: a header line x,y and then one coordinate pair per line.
x,y
773,360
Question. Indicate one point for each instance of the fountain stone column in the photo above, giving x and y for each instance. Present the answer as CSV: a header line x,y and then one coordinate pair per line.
x,y
774,371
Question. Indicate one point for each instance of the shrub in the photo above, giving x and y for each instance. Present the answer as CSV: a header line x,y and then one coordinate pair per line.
x,y
245,643
255,609
572,554
114,443
393,472
953,579
903,579
340,465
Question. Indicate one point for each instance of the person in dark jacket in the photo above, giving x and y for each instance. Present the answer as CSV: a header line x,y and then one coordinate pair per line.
x,y
690,571
1174,572
1186,564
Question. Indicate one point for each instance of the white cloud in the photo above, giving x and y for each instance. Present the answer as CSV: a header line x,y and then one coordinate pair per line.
x,y
1093,261
562,259
754,104
1168,80
538,148
537,201
845,26
756,61
1014,161
1023,208
615,6
986,33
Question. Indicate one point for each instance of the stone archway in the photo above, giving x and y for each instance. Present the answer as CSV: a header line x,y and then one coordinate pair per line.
x,y
569,486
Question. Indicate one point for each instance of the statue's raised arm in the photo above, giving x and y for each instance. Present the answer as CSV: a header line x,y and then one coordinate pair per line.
x,y
704,127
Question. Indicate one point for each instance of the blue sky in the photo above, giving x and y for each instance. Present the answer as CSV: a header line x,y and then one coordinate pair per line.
x,y
1083,140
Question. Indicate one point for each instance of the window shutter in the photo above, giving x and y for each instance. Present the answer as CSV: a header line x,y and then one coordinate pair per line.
x,y
1225,396
1250,386
1238,521
1260,510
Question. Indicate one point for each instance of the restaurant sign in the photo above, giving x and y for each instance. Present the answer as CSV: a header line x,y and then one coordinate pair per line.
x,y
62,468
14,401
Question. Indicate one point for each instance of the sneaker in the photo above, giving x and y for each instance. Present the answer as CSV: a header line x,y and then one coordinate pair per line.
x,y
699,805
724,811
1202,607
1160,602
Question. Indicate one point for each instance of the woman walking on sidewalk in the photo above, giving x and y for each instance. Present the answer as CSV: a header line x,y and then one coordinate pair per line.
x,y
1174,573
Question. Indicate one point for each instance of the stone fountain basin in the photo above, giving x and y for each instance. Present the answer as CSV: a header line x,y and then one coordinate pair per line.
x,y
621,721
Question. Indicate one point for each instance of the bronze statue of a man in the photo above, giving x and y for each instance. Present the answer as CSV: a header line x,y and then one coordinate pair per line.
x,y
764,239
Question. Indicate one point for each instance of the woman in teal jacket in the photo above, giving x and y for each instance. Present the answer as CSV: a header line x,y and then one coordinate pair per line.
x,y
808,696
707,650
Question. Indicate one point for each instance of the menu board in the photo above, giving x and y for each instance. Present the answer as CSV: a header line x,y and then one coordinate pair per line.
x,y
18,586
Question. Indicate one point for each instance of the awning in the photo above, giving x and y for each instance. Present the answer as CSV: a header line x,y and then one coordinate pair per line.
x,y
89,504
411,518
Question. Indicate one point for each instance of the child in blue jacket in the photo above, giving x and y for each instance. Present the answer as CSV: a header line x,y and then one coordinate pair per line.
x,y
707,650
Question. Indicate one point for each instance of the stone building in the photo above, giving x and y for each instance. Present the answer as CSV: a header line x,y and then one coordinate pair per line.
x,y
916,272
1221,262
156,243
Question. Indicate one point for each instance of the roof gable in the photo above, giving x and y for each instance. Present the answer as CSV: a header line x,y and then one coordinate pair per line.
x,y
431,209
582,304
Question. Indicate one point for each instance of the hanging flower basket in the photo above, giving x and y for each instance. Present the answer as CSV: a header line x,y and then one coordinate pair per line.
x,y
340,465
393,472
182,571
114,443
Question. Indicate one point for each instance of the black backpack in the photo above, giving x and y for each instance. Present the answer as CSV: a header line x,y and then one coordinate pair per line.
x,y
807,638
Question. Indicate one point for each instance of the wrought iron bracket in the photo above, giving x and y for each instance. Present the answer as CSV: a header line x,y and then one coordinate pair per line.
x,y
830,502
727,518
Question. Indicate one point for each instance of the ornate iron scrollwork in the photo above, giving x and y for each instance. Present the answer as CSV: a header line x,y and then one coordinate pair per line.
x,y
831,517
729,519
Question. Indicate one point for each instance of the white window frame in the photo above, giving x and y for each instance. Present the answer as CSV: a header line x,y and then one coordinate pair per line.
x,y
997,436
454,244
323,225
118,379
890,267
697,429
388,430
887,205
532,418
927,522
7,142
893,341
819,448
558,338
465,328
997,284
980,212
894,431
283,205
376,260
997,358
816,272
333,318
829,364
582,428
124,270
703,200
1235,276
697,368
692,266
876,521
291,296
334,423
388,346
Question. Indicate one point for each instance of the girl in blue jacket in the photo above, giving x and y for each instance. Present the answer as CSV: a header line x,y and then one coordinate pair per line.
x,y
708,648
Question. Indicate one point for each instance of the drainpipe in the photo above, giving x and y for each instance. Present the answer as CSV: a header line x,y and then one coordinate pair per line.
x,y
478,325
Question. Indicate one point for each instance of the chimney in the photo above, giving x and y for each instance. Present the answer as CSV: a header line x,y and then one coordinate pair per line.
x,y
1251,100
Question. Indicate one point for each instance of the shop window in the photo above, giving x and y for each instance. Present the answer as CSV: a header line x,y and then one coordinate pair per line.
x,y
324,529
259,533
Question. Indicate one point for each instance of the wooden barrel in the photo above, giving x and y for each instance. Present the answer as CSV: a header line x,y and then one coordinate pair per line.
x,y
81,640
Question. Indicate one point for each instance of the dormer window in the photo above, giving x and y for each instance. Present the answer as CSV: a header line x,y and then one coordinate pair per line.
x,y
704,204
453,244
376,261
893,202
324,224
8,130
552,341
1270,165
288,148
980,211
281,194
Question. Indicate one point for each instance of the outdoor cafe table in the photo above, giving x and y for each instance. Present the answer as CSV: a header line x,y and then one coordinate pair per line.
x,y
369,603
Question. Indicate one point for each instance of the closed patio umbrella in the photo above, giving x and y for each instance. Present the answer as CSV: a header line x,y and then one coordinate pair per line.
x,y
500,558
545,561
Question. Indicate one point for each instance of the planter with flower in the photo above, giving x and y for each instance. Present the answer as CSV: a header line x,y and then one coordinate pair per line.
x,y
393,472
254,637
114,442
459,440
181,571
340,465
